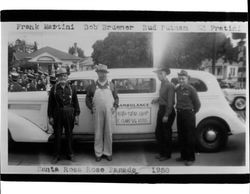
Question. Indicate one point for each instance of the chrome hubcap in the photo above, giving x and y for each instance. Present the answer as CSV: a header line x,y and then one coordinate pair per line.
x,y
210,135
240,103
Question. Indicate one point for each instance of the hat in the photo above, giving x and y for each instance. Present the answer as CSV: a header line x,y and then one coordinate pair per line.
x,y
166,69
52,78
40,72
61,71
14,76
183,73
102,68
30,76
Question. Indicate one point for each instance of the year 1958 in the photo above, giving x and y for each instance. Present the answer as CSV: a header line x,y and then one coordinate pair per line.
x,y
160,170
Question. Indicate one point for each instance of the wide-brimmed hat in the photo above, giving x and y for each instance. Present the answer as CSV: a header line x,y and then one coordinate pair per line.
x,y
102,68
166,69
31,76
40,72
52,78
61,71
14,75
183,73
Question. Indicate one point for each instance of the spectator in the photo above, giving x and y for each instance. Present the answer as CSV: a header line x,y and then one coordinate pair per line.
x,y
40,85
15,86
21,83
31,85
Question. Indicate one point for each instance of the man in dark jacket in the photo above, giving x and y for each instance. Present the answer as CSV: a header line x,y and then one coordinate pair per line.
x,y
165,116
188,104
63,112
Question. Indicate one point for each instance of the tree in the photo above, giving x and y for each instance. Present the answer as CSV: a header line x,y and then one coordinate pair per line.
x,y
80,52
35,46
124,49
187,50
239,36
19,46
240,52
11,50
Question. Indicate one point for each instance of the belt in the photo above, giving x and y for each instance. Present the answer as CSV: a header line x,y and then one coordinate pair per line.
x,y
185,110
66,106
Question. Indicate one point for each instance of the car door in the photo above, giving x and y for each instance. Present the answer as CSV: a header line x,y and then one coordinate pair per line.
x,y
32,106
136,114
86,125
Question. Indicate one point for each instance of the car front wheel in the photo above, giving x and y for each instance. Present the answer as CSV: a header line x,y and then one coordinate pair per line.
x,y
211,135
239,103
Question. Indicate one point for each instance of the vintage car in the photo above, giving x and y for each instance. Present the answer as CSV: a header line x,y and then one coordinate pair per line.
x,y
236,98
135,119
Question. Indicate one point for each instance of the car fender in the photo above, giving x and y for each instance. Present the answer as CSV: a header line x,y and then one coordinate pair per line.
x,y
23,130
235,124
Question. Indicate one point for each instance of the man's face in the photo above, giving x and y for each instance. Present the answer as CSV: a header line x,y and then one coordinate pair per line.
x,y
183,79
161,75
102,76
63,78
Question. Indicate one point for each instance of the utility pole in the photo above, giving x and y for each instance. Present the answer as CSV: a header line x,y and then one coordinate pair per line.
x,y
214,54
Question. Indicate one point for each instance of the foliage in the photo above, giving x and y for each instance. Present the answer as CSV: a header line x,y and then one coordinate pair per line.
x,y
20,46
238,35
11,50
187,50
124,49
80,52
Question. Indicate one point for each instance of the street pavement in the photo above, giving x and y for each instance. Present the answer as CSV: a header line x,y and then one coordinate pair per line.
x,y
124,154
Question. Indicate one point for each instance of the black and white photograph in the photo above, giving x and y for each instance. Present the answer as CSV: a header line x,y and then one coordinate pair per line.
x,y
124,98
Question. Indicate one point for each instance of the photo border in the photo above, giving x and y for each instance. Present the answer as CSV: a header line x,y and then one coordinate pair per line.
x,y
128,16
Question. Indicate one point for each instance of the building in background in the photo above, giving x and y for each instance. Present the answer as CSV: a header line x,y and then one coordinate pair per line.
x,y
226,71
86,64
46,59
223,70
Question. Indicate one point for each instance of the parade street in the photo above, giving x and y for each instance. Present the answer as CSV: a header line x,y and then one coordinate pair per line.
x,y
132,154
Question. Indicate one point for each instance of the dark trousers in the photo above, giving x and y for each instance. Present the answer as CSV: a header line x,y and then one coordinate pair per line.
x,y
163,132
186,133
64,118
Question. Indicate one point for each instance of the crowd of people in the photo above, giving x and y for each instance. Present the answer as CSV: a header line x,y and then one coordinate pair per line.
x,y
28,80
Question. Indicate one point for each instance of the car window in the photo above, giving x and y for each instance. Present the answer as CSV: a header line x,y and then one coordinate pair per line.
x,y
81,85
135,85
199,85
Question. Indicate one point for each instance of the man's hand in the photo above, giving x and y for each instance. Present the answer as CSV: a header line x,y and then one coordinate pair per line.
x,y
93,110
165,119
113,109
155,101
76,120
51,121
